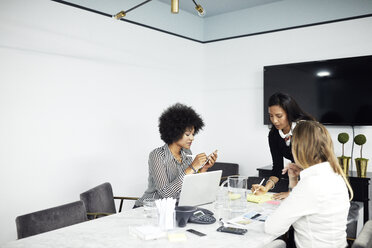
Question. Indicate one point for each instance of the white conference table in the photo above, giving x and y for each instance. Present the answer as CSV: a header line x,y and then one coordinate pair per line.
x,y
113,231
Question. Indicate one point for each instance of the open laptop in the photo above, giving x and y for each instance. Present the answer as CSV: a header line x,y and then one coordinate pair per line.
x,y
201,188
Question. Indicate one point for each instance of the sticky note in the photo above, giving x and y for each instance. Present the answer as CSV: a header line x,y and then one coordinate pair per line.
x,y
273,202
176,237
259,198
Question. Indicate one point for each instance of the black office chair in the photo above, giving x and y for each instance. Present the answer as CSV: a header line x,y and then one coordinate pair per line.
x,y
280,186
364,240
99,201
50,219
278,243
228,169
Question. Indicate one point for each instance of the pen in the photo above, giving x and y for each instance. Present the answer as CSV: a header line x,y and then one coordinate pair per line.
x,y
228,223
193,157
263,179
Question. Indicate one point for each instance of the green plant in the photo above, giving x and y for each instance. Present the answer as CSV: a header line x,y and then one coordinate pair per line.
x,y
360,140
343,138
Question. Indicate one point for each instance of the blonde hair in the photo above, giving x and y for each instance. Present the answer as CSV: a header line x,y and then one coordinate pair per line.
x,y
312,144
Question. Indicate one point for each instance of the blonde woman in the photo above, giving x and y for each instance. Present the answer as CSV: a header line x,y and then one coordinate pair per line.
x,y
318,205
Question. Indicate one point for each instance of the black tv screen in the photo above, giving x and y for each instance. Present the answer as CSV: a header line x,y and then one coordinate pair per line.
x,y
335,91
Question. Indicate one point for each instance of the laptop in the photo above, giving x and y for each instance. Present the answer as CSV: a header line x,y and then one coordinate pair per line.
x,y
201,188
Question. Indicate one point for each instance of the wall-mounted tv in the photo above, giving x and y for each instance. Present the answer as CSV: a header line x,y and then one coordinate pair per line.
x,y
335,91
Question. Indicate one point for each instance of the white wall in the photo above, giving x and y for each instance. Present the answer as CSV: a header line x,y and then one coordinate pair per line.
x,y
80,95
234,78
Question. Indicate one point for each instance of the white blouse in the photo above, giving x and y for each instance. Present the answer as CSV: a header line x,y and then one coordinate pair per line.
x,y
317,208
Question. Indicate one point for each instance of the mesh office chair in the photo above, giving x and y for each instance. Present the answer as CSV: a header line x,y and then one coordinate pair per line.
x,y
99,201
50,219
364,240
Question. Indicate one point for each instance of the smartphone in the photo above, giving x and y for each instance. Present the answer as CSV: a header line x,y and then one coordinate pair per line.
x,y
233,230
208,158
196,232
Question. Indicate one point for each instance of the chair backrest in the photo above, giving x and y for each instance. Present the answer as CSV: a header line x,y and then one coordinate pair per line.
x,y
364,240
50,219
352,219
99,199
228,169
278,243
281,186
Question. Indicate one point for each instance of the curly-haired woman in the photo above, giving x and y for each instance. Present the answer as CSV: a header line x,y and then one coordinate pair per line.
x,y
169,163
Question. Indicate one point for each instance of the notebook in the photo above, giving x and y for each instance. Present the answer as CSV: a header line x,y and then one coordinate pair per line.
x,y
201,188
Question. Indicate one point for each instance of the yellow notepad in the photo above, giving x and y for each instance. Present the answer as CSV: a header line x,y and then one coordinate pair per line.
x,y
176,237
259,198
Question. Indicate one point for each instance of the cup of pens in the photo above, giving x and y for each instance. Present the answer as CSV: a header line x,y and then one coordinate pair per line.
x,y
166,210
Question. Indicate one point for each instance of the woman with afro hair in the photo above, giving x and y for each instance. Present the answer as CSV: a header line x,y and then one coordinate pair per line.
x,y
169,163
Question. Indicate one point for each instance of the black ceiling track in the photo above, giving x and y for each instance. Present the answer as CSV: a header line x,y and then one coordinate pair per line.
x,y
210,41
125,20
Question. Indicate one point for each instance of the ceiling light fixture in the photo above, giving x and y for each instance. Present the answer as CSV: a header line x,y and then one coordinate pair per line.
x,y
199,8
174,6
123,13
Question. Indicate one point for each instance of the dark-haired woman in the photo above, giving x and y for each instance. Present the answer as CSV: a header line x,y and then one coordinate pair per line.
x,y
284,112
169,163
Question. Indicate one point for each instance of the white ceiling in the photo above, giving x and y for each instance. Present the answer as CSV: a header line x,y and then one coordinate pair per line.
x,y
227,19
217,7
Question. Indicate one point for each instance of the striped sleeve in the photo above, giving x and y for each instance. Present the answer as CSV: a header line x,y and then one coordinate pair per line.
x,y
158,171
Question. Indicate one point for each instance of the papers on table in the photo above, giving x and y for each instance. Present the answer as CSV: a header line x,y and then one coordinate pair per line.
x,y
252,220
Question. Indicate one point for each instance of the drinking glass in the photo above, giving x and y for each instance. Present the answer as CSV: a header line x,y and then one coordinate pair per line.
x,y
149,208
237,193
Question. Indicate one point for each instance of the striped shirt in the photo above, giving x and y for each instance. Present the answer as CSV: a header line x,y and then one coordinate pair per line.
x,y
165,174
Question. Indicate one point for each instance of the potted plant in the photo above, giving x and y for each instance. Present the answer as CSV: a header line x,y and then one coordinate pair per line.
x,y
361,163
344,161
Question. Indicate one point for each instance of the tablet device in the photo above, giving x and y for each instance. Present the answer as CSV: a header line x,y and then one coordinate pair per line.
x,y
201,188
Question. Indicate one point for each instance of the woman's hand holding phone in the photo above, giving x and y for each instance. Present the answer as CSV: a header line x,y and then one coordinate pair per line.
x,y
210,161
199,161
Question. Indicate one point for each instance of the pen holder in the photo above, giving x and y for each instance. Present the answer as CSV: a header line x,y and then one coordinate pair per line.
x,y
166,213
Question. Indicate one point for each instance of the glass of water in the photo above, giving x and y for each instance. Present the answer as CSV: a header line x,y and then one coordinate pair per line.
x,y
149,208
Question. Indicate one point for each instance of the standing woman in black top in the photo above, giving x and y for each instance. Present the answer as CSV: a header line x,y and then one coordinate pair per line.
x,y
284,113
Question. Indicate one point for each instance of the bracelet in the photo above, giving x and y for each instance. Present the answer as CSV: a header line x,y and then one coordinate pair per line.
x,y
272,182
193,169
290,189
